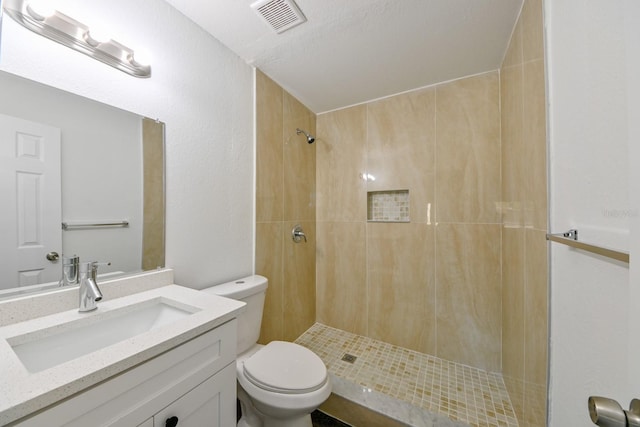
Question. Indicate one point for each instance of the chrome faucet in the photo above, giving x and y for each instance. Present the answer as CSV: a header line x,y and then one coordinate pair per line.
x,y
69,270
89,292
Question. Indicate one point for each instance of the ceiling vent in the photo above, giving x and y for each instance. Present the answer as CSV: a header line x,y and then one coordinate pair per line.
x,y
281,15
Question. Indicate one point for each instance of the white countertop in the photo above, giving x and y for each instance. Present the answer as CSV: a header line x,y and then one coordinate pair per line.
x,y
23,392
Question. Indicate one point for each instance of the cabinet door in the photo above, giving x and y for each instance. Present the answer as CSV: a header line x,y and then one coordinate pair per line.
x,y
211,404
148,423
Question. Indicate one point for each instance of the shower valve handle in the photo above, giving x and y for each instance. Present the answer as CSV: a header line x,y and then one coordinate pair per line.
x,y
297,234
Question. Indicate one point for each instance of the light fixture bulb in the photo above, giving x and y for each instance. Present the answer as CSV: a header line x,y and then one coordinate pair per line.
x,y
98,35
141,57
40,9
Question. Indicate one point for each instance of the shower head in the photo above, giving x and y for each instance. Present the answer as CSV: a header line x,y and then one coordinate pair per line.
x,y
310,138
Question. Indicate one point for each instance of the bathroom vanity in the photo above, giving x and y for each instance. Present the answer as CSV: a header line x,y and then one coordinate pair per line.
x,y
161,357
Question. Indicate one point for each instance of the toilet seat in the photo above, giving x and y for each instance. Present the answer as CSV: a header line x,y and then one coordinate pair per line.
x,y
287,368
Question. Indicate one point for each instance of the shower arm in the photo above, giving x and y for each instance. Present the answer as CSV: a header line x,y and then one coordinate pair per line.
x,y
310,138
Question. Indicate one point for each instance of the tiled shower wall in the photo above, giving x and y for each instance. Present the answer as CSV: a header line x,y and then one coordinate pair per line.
x,y
433,284
524,192
285,197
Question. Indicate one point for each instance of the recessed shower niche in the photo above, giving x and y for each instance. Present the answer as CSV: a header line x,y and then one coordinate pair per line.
x,y
388,206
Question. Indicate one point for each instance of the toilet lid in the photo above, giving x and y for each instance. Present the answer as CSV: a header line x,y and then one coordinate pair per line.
x,y
285,367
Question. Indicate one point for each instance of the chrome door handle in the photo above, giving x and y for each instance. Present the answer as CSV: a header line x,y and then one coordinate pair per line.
x,y
53,256
607,412
633,414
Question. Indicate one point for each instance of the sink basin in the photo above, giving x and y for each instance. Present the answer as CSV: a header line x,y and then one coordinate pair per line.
x,y
43,349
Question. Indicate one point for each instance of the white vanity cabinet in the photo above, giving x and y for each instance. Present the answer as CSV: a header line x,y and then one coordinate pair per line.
x,y
203,406
194,382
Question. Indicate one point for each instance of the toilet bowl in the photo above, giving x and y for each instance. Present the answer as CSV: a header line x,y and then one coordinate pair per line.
x,y
284,381
281,383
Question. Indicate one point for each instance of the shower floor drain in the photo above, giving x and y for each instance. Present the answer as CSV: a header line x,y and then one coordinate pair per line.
x,y
349,358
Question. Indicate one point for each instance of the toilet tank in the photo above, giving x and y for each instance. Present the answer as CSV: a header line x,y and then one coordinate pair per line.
x,y
250,290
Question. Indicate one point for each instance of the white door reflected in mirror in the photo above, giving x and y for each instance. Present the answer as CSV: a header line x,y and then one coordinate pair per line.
x,y
30,181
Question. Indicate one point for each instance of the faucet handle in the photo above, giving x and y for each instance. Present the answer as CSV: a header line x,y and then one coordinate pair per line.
x,y
99,263
94,267
86,267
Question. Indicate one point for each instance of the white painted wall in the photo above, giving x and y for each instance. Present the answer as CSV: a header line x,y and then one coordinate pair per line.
x,y
632,43
593,167
201,90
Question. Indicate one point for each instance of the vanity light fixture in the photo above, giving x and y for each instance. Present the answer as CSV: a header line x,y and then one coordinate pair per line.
x,y
71,33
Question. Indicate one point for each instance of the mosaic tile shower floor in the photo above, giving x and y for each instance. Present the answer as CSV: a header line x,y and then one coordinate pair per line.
x,y
459,392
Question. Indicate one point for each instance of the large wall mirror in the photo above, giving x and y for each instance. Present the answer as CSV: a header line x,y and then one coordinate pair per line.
x,y
77,177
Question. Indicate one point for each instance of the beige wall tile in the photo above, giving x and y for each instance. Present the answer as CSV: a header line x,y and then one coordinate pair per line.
x,y
515,388
299,162
153,236
341,276
401,148
294,110
269,263
341,161
513,55
299,295
535,146
532,31
468,150
512,145
535,405
536,305
468,304
285,190
513,302
401,266
525,177
382,136
269,150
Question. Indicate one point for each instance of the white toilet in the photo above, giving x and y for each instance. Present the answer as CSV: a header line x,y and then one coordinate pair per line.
x,y
281,383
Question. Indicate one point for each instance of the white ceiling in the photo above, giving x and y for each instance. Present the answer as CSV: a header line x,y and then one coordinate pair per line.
x,y
352,51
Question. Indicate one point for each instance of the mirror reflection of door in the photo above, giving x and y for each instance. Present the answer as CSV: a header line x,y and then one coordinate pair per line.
x,y
30,211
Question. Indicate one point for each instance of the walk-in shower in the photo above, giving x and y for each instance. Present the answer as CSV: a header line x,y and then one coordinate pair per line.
x,y
310,138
